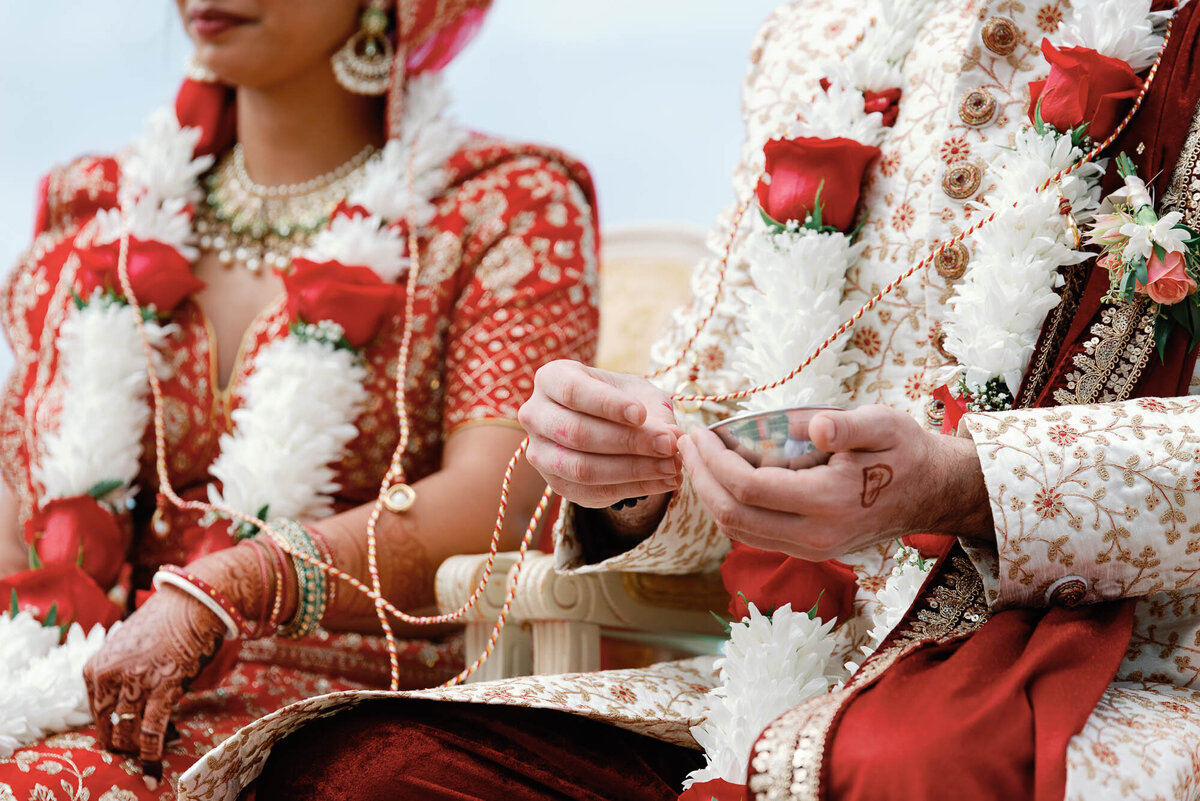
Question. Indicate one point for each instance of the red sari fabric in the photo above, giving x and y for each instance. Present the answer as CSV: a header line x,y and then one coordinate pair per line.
x,y
470,752
997,709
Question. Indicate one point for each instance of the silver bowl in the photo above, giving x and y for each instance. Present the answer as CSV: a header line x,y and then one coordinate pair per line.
x,y
777,438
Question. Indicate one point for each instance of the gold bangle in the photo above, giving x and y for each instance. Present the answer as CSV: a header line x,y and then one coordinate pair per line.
x,y
399,498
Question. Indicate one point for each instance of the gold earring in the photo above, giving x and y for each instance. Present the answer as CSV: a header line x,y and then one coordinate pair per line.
x,y
363,64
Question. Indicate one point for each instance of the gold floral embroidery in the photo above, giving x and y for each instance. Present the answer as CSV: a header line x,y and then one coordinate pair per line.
x,y
1113,359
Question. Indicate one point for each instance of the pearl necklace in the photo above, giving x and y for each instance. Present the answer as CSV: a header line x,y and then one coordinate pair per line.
x,y
254,225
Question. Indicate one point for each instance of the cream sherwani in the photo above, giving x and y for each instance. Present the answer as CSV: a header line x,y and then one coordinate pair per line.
x,y
1100,499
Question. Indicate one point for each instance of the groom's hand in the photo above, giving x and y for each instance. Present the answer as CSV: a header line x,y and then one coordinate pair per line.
x,y
599,437
886,477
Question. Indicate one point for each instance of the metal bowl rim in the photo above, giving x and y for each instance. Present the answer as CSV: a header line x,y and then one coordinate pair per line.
x,y
749,415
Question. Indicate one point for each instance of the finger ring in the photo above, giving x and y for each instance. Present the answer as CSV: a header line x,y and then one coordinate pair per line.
x,y
115,718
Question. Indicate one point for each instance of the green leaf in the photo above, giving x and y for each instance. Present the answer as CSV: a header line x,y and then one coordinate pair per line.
x,y
35,563
51,616
1160,252
102,488
725,624
1078,133
1125,165
1039,124
262,513
1162,333
13,608
815,217
812,613
79,303
771,222
1139,270
1127,285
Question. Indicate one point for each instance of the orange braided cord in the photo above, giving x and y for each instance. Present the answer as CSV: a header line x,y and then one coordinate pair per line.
x,y
941,248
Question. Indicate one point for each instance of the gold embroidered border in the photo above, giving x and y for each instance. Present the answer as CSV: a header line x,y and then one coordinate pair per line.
x,y
1060,323
1183,193
787,760
1114,358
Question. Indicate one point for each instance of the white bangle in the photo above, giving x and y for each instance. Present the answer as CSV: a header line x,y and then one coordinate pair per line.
x,y
178,582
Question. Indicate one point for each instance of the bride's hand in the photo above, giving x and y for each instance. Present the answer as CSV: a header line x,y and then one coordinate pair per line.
x,y
598,437
135,680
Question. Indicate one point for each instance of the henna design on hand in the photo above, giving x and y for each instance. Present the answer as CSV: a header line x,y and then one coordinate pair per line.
x,y
875,478
145,666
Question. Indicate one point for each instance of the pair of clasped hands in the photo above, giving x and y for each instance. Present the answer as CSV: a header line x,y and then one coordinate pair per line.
x,y
600,437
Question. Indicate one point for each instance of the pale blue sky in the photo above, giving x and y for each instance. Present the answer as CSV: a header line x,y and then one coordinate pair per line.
x,y
644,91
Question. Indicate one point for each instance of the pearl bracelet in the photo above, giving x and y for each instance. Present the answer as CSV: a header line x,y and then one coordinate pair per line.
x,y
205,593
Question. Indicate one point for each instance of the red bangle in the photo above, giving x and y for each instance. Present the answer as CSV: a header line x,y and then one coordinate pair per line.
x,y
204,591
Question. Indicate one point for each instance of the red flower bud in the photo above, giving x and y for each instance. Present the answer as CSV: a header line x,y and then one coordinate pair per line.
x,y
68,530
159,274
67,589
353,297
1083,86
799,168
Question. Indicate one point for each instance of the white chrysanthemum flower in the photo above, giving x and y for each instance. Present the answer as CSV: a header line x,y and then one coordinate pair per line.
x,y
41,682
1033,159
427,141
161,163
298,413
103,367
149,221
769,665
361,241
794,304
898,594
836,113
875,63
1121,29
998,308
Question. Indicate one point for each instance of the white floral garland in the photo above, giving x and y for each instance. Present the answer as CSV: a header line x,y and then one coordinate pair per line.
x,y
799,274
305,393
768,665
41,682
300,403
104,408
772,663
997,311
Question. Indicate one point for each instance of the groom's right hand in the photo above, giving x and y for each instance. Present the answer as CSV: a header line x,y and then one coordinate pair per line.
x,y
599,437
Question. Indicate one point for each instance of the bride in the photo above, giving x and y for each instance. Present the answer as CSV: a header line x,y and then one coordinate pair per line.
x,y
303,231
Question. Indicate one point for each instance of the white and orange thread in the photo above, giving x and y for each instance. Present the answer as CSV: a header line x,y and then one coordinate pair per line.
x,y
395,472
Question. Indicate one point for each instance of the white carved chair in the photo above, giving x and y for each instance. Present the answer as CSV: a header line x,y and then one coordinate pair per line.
x,y
557,621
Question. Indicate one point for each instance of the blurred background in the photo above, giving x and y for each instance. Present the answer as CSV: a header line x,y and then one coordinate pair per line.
x,y
645,92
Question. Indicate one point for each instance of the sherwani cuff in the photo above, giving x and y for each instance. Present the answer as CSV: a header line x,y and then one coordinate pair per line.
x,y
685,541
1092,503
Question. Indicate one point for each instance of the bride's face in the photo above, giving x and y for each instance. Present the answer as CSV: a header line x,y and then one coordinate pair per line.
x,y
260,43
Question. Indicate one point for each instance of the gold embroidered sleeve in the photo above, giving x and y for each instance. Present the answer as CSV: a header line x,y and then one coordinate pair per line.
x,y
1092,503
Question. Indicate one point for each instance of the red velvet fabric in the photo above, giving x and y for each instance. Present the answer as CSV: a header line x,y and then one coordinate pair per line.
x,y
988,717
997,709
469,752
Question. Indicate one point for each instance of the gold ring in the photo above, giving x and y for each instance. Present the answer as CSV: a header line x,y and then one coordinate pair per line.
x,y
399,498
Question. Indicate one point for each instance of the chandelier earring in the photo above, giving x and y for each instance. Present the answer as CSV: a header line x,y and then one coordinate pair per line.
x,y
363,64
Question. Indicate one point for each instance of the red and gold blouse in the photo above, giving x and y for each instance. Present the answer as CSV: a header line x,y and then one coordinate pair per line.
x,y
507,283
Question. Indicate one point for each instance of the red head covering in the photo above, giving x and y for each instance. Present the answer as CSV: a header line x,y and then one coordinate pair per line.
x,y
429,33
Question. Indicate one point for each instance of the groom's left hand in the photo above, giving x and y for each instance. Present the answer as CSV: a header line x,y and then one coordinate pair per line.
x,y
886,477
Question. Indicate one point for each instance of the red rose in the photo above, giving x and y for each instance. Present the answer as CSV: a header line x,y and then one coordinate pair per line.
x,y
718,789
160,276
66,588
798,168
886,103
66,530
353,297
1083,86
1167,282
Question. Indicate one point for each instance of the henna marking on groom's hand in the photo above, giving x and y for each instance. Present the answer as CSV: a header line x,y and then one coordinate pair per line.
x,y
875,478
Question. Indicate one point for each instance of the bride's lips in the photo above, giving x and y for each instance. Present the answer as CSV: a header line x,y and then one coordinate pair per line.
x,y
209,22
